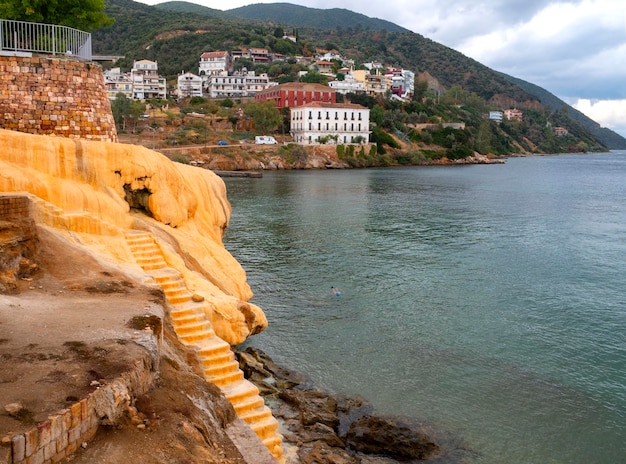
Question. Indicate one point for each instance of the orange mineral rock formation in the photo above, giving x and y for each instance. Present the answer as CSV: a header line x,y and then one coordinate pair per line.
x,y
159,222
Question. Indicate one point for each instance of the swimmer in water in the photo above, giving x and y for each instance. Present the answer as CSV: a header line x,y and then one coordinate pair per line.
x,y
335,291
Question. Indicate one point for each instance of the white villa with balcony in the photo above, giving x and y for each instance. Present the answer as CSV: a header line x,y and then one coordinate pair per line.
x,y
189,85
147,84
349,123
212,63
117,82
237,85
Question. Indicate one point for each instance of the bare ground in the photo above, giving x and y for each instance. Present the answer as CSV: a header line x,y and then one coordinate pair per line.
x,y
73,326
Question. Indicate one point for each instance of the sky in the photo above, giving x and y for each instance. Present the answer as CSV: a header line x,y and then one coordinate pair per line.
x,y
574,49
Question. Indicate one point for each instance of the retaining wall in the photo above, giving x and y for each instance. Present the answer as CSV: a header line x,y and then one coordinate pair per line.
x,y
14,206
62,434
55,96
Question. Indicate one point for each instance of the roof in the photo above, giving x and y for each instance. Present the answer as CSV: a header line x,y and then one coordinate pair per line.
x,y
213,54
327,105
310,87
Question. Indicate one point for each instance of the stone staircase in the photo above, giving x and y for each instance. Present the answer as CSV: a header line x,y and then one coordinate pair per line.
x,y
214,355
78,221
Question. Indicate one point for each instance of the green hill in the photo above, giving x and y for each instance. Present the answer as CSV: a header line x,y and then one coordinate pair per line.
x,y
610,138
194,8
300,16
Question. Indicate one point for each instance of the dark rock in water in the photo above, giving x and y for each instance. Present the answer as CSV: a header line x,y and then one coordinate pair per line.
x,y
315,406
394,437
334,429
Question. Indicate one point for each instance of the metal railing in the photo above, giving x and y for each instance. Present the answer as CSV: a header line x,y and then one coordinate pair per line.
x,y
25,37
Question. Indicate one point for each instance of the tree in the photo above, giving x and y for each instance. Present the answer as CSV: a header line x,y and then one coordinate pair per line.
x,y
86,15
314,78
124,108
420,88
264,114
377,115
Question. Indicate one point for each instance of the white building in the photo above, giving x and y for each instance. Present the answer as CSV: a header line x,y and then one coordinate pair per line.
x,y
214,63
496,116
237,85
349,85
116,82
401,82
347,122
147,84
189,85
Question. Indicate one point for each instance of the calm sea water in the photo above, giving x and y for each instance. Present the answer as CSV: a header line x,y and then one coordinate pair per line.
x,y
488,301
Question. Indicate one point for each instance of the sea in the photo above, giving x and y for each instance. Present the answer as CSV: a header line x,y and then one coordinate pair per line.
x,y
486,301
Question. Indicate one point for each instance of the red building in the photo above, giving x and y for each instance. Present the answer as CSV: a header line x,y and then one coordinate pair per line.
x,y
294,94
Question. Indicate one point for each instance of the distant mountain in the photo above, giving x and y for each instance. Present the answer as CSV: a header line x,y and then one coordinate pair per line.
x,y
194,8
301,16
611,139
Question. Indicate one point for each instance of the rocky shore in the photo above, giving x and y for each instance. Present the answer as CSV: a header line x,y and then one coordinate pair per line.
x,y
320,427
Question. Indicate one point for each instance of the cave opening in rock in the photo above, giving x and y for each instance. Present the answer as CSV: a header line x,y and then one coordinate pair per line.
x,y
138,199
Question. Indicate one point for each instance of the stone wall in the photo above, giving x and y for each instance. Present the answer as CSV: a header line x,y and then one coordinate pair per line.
x,y
63,433
19,244
14,206
55,95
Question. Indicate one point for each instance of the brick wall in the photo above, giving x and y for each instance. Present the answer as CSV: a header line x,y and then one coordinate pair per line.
x,y
14,206
57,438
55,95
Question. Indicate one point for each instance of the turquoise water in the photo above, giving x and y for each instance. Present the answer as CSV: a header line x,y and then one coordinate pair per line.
x,y
488,301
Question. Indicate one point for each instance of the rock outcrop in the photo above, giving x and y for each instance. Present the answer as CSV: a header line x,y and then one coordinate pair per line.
x,y
92,192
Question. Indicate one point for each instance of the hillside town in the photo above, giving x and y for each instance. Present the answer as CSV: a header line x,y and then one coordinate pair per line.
x,y
315,114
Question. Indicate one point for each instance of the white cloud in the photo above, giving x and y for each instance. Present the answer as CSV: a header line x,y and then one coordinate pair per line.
x,y
607,113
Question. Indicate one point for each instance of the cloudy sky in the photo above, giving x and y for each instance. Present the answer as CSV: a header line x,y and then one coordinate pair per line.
x,y
575,49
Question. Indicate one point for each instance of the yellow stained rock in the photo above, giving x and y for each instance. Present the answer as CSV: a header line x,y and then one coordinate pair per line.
x,y
93,192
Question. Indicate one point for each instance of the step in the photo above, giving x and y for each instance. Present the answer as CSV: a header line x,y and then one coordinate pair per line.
x,y
212,346
172,285
166,275
154,259
218,358
179,299
215,370
256,415
185,311
186,319
226,379
275,445
145,252
249,404
139,242
194,328
196,338
174,294
240,392
265,428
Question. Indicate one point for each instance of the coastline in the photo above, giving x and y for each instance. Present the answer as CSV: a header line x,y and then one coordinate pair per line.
x,y
319,426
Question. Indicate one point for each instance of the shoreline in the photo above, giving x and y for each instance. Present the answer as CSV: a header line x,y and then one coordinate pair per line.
x,y
319,426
